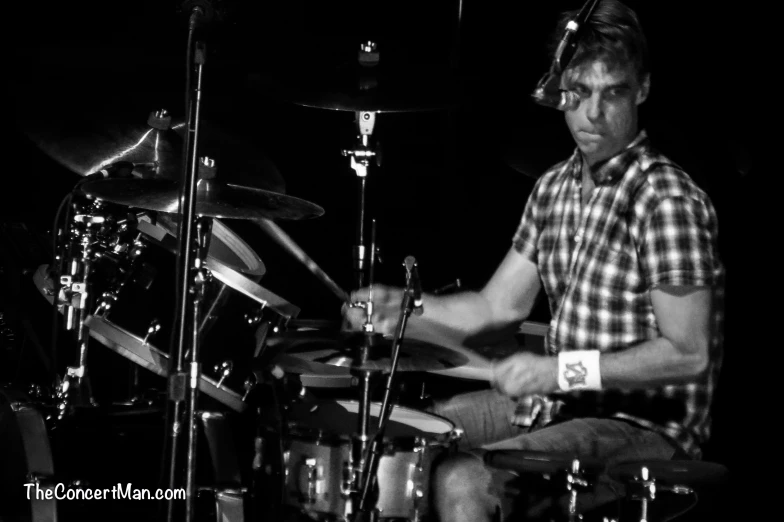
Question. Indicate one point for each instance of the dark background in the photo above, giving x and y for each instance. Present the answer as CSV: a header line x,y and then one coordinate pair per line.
x,y
453,183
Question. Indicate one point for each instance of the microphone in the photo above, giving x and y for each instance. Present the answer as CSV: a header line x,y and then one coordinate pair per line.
x,y
413,282
556,98
547,92
118,169
204,12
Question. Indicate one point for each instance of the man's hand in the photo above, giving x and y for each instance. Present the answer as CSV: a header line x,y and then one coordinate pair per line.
x,y
386,309
526,374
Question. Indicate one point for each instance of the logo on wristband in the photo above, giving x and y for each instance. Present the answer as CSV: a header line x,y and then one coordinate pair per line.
x,y
575,374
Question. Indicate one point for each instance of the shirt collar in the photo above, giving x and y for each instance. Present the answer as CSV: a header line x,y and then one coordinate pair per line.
x,y
614,168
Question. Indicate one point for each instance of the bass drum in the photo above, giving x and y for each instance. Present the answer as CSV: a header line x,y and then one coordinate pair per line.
x,y
46,469
90,450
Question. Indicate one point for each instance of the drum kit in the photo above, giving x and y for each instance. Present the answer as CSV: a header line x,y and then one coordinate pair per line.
x,y
144,266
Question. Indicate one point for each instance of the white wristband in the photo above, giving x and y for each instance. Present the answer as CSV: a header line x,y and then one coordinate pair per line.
x,y
579,370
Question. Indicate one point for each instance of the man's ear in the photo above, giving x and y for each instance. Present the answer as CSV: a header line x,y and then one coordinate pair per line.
x,y
645,88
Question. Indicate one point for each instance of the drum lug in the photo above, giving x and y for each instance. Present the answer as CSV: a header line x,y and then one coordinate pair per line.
x,y
249,385
418,493
107,300
311,469
347,480
224,369
255,317
153,329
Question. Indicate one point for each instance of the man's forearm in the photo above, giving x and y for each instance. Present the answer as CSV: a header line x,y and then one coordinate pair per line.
x,y
453,318
656,362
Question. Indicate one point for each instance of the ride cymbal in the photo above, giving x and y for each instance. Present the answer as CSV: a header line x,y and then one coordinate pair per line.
x,y
369,89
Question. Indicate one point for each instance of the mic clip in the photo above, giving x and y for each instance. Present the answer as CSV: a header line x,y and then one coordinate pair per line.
x,y
413,285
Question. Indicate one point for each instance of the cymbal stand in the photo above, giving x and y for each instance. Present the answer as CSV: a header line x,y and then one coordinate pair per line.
x,y
183,386
361,156
645,488
353,473
74,390
576,482
410,302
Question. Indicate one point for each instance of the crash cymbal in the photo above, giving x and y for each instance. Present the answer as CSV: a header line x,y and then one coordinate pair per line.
x,y
85,146
345,350
671,472
86,141
356,88
213,198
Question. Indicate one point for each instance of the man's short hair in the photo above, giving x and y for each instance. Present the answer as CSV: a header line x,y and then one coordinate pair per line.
x,y
612,33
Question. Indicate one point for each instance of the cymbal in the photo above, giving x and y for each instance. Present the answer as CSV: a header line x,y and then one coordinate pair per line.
x,y
86,141
344,349
85,146
530,461
672,472
372,89
213,198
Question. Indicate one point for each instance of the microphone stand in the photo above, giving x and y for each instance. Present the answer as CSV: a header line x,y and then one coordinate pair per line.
x,y
183,387
365,512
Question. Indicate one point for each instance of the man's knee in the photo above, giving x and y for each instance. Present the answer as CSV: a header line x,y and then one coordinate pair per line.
x,y
461,471
462,481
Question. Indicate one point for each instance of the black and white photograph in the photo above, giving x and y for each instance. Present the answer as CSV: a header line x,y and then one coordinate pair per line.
x,y
394,261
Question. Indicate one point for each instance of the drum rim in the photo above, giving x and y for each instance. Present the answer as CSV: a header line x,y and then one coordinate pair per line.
x,y
117,338
254,266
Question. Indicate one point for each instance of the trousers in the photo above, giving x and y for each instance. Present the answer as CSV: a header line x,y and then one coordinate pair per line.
x,y
485,417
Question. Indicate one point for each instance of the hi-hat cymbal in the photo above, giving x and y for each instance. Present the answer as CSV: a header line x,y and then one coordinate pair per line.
x,y
529,461
371,89
213,198
345,350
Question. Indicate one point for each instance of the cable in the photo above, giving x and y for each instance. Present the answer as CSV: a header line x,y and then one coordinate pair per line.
x,y
686,509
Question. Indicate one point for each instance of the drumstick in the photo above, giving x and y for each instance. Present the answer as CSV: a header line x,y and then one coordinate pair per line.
x,y
288,244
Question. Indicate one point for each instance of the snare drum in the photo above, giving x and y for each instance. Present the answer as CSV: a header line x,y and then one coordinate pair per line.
x,y
316,459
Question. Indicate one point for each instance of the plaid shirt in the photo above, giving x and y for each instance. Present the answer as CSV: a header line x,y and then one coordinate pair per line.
x,y
646,224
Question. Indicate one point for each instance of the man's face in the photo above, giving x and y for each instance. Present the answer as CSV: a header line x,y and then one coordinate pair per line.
x,y
605,122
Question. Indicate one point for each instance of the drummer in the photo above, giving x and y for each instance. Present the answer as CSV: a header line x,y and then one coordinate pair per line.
x,y
624,244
